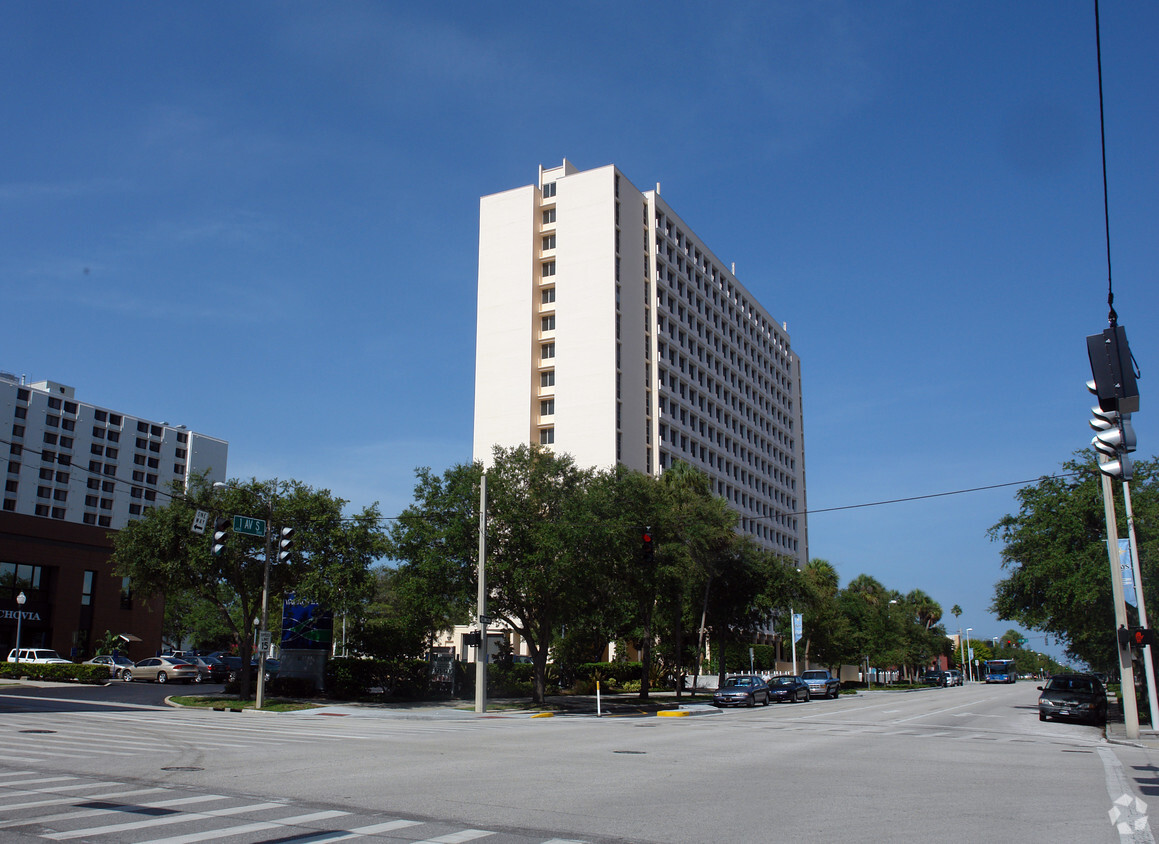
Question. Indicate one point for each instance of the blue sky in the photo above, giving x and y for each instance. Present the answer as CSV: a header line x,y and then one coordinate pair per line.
x,y
260,220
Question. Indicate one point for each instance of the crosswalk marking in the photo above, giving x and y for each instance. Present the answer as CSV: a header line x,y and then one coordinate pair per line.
x,y
259,826
106,806
181,817
458,837
338,835
124,813
60,801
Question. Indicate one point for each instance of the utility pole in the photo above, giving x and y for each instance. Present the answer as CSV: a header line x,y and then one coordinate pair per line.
x,y
1148,665
481,653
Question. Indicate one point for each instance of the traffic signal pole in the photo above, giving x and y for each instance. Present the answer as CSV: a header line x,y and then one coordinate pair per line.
x,y
260,699
1126,674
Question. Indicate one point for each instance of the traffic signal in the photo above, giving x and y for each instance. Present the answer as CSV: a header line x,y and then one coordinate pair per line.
x,y
285,544
647,545
1136,637
1113,368
220,533
1114,439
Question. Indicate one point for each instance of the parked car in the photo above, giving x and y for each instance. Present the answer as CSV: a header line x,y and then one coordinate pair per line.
x,y
1080,697
209,669
935,678
821,683
233,664
162,669
38,656
789,688
742,691
954,678
114,662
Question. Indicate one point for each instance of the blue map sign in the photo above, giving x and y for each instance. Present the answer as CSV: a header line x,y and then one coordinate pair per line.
x,y
306,626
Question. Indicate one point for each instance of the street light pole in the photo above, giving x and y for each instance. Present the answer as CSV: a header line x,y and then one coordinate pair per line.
x,y
20,599
969,662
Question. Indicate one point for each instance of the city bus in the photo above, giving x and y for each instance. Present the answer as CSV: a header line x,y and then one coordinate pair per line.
x,y
1000,671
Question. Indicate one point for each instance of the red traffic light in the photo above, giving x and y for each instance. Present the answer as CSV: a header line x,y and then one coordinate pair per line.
x,y
1136,637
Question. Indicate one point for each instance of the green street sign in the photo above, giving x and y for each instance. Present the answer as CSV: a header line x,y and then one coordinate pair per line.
x,y
249,525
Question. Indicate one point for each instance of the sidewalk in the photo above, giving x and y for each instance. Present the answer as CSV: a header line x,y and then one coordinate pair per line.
x,y
1116,729
618,706
1116,733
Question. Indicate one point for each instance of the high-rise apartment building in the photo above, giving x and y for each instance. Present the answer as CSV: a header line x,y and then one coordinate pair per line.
x,y
73,472
76,462
609,331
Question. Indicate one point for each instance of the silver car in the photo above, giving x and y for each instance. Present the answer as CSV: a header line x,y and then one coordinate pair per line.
x,y
162,669
114,662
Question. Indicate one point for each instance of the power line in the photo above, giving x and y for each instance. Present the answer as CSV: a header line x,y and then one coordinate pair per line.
x,y
931,495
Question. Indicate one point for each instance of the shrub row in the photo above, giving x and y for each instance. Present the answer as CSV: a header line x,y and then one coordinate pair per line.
x,y
351,679
95,674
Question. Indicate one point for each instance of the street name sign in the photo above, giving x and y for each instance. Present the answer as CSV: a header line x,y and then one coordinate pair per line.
x,y
249,525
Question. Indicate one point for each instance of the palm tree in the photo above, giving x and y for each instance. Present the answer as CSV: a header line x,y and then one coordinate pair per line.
x,y
927,610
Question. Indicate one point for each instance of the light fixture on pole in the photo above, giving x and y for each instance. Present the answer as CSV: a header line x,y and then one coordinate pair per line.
x,y
20,599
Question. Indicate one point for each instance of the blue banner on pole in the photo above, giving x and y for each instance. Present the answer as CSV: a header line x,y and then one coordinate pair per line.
x,y
1128,572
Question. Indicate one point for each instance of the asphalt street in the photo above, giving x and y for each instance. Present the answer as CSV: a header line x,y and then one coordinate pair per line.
x,y
961,764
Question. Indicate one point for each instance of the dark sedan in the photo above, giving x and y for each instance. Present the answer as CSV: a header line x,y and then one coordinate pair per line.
x,y
788,688
742,691
1079,697
210,669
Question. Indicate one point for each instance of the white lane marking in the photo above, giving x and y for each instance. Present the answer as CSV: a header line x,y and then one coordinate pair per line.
x,y
1132,825
938,711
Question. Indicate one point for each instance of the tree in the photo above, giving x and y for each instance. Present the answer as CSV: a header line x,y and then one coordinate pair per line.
x,y
826,628
549,558
1055,557
385,626
160,554
436,544
694,531
549,561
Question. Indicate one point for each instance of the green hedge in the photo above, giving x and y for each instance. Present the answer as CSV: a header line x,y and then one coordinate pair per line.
x,y
59,672
618,673
351,679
